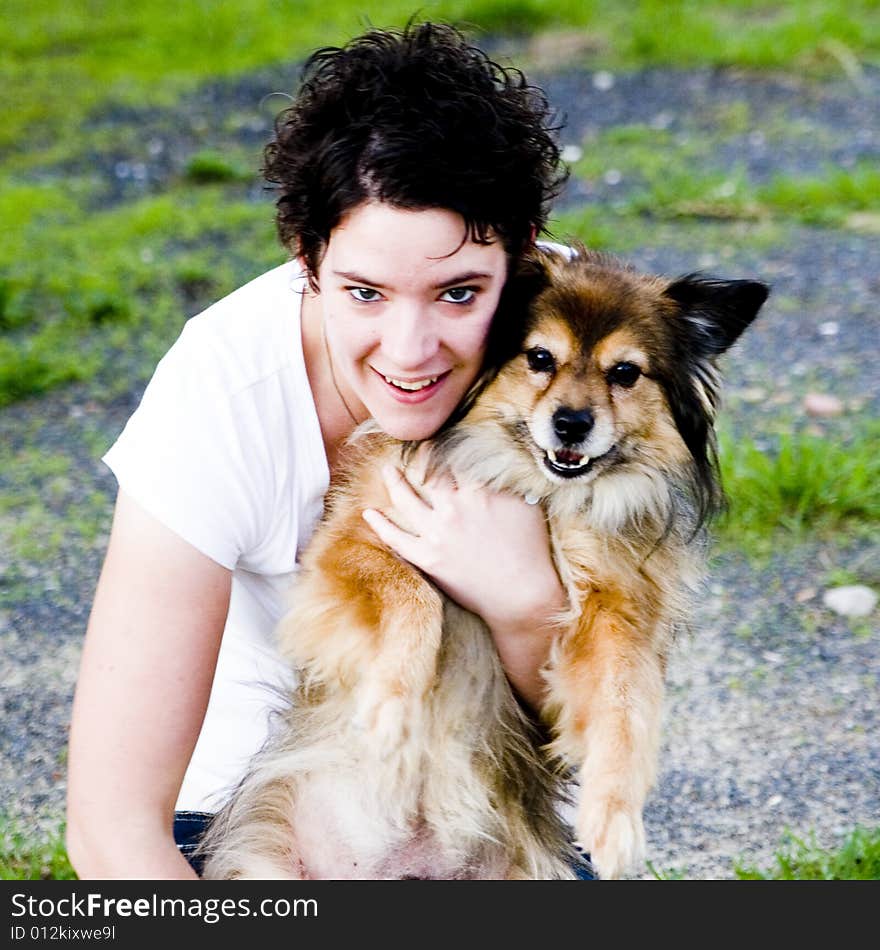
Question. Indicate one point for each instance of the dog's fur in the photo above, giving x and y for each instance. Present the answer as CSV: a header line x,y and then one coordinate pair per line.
x,y
404,752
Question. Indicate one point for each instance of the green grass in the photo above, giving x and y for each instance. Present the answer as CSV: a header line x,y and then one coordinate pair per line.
x,y
828,199
25,856
667,175
81,287
150,52
28,857
209,166
858,859
806,484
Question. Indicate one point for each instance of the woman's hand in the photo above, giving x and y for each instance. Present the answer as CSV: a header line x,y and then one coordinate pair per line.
x,y
490,553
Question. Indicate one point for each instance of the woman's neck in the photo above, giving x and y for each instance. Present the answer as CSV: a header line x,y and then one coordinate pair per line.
x,y
334,415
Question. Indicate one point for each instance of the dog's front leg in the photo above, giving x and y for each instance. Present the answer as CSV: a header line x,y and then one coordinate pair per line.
x,y
409,621
367,623
606,689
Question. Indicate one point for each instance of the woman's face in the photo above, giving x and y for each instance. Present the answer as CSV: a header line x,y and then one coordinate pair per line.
x,y
407,309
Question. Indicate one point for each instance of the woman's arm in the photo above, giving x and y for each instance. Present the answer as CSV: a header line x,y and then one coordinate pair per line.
x,y
147,667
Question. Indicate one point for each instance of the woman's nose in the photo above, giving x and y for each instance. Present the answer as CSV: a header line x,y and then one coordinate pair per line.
x,y
409,338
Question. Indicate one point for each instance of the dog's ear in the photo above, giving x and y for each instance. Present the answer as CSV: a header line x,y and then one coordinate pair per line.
x,y
528,277
712,315
716,311
531,273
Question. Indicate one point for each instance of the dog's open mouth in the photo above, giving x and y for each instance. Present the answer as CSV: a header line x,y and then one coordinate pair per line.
x,y
570,464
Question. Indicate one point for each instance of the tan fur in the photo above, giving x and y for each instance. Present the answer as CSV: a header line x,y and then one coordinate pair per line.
x,y
404,752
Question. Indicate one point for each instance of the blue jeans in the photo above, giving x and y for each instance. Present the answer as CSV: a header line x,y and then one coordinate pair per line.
x,y
189,826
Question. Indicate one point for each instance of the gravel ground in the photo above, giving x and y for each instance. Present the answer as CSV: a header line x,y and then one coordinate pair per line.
x,y
772,715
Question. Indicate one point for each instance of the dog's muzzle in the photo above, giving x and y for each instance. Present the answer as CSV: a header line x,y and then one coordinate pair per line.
x,y
571,427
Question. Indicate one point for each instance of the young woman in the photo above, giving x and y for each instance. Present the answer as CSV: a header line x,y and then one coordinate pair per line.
x,y
412,173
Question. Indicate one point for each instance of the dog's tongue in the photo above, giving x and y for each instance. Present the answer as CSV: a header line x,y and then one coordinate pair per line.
x,y
567,457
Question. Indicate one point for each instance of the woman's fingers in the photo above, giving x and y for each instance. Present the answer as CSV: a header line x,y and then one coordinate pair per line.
x,y
435,482
406,502
400,541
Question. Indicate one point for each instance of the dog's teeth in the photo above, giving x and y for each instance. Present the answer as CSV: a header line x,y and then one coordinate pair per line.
x,y
411,387
564,463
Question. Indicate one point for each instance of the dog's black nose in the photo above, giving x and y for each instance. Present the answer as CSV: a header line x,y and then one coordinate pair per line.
x,y
572,426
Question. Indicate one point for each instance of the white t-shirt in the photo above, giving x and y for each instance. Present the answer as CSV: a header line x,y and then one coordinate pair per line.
x,y
226,450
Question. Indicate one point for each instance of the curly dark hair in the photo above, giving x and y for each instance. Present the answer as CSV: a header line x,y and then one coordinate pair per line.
x,y
421,119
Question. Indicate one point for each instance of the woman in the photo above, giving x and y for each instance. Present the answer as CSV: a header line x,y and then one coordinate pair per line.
x,y
412,173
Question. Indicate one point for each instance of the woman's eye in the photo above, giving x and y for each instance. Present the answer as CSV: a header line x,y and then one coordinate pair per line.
x,y
459,295
541,360
624,374
364,294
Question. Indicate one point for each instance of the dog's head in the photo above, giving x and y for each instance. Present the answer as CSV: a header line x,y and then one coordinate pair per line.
x,y
614,374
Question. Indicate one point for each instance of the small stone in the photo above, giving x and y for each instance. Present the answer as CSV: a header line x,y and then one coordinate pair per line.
x,y
854,600
805,594
822,405
612,177
829,328
572,153
774,800
753,394
783,398
603,81
866,221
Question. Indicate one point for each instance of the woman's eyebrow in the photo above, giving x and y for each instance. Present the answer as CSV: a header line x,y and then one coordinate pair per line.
x,y
464,279
358,279
455,281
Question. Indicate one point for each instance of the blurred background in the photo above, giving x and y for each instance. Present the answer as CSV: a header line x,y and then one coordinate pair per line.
x,y
740,138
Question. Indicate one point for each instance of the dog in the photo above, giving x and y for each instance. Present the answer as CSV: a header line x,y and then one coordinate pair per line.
x,y
404,752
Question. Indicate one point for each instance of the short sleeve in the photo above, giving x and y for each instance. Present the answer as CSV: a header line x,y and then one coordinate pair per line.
x,y
183,454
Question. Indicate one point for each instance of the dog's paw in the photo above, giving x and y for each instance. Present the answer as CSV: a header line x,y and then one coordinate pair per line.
x,y
613,835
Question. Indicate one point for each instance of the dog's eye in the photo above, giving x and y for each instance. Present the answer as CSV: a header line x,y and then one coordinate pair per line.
x,y
624,374
541,360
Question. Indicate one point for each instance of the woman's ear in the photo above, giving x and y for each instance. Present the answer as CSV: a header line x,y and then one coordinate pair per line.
x,y
311,276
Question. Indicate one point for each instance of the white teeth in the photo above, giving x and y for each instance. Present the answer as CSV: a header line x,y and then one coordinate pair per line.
x,y
551,454
411,387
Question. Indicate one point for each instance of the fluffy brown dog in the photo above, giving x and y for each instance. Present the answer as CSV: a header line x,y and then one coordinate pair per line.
x,y
404,752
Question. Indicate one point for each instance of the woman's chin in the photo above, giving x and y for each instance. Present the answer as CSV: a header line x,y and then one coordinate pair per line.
x,y
409,426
